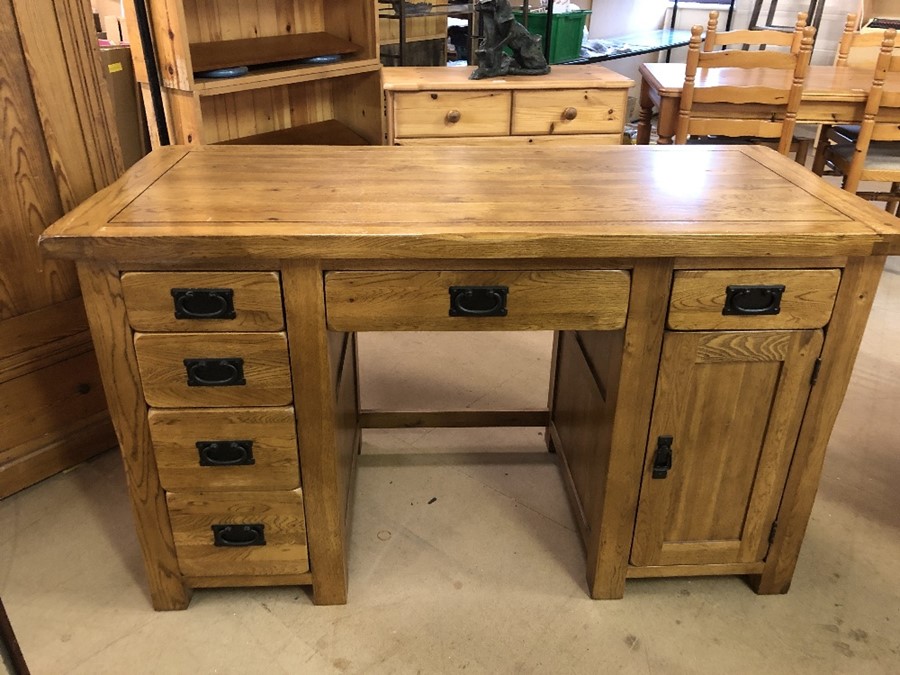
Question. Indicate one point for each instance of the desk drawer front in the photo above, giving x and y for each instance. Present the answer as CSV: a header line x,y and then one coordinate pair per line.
x,y
560,139
752,299
239,533
225,449
203,301
214,369
568,111
446,113
551,300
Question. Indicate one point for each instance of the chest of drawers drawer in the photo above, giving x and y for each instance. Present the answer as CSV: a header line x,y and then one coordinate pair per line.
x,y
452,113
239,533
752,299
203,301
501,300
568,111
214,369
225,449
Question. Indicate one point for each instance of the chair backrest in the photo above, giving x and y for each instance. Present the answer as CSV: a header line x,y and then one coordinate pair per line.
x,y
881,120
762,105
856,49
753,38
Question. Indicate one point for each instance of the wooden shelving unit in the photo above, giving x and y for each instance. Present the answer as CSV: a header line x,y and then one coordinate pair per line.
x,y
281,99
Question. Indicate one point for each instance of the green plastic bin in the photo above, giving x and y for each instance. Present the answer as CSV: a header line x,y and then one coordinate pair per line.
x,y
568,28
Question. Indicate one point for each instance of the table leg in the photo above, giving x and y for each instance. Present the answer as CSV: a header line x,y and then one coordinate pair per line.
x,y
667,120
646,115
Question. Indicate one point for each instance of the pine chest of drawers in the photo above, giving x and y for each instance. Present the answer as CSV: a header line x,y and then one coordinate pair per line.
x,y
572,104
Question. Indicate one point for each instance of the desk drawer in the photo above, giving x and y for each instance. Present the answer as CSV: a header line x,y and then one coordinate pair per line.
x,y
225,449
208,370
452,113
568,111
559,139
699,299
203,301
548,299
259,533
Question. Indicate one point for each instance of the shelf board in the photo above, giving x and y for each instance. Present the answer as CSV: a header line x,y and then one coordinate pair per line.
x,y
275,49
281,75
329,132
635,44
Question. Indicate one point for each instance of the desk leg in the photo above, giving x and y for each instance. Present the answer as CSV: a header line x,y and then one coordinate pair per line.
x,y
111,332
323,487
611,525
645,120
845,330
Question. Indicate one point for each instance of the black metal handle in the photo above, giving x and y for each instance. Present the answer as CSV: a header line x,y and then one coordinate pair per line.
x,y
225,453
753,300
478,300
203,303
662,459
239,535
215,372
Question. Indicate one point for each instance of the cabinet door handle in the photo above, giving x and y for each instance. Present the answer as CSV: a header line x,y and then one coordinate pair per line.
x,y
215,372
478,300
203,303
753,300
662,459
570,113
239,535
454,116
225,453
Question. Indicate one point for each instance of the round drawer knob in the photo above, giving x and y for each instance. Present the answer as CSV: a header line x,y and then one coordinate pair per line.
x,y
454,116
570,113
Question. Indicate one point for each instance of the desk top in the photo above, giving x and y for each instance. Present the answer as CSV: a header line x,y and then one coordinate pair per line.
x,y
213,203
828,83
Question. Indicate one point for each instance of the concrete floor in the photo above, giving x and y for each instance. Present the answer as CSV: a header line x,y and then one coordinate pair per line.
x,y
464,555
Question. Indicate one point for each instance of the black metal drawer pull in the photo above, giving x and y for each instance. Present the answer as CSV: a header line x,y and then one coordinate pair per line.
x,y
239,535
478,300
662,459
203,303
225,453
753,300
215,372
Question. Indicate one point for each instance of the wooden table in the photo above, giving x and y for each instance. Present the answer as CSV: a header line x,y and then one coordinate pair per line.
x,y
830,95
694,385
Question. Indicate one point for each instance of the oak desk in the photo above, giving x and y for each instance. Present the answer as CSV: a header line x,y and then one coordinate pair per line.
x,y
831,95
709,304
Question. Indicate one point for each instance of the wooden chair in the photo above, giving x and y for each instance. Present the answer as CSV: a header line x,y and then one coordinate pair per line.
x,y
757,38
728,112
875,154
804,135
855,50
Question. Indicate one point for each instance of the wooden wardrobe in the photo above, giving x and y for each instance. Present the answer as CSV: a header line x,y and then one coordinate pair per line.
x,y
58,148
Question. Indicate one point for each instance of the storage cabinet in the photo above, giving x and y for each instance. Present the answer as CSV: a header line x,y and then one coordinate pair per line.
x,y
572,104
313,70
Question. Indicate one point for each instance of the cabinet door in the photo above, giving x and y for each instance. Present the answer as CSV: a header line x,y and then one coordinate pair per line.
x,y
732,403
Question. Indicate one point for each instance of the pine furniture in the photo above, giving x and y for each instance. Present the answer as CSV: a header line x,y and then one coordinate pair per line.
x,y
571,104
705,341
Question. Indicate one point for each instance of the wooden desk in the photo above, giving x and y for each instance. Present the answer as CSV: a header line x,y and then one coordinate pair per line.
x,y
830,96
224,287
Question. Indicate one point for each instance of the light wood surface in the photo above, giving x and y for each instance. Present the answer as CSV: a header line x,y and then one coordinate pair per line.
x,y
698,299
830,94
412,78
281,514
58,147
335,203
271,431
256,300
266,373
591,300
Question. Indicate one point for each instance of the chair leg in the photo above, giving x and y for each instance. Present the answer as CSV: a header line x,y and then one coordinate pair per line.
x,y
818,165
802,151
